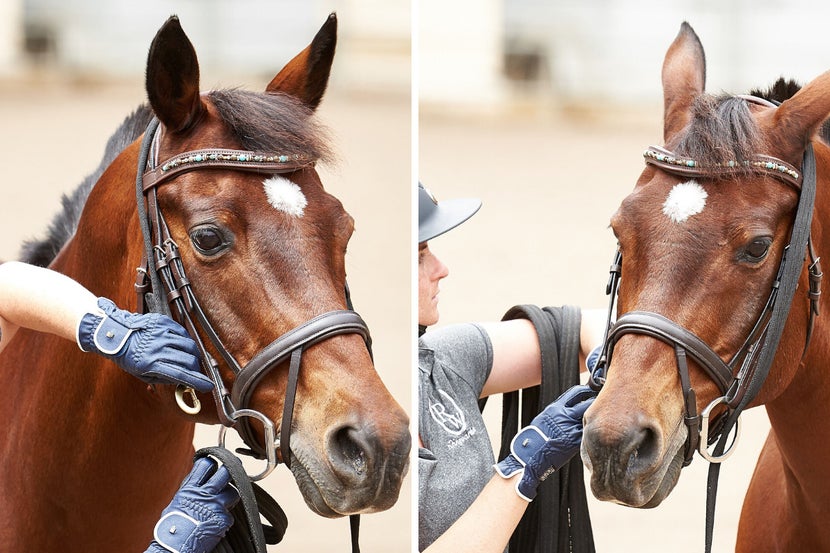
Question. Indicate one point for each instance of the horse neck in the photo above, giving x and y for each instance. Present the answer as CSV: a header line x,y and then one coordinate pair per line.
x,y
798,414
84,448
83,416
105,252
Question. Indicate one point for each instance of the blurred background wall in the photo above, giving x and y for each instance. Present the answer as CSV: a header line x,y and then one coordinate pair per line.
x,y
495,54
86,39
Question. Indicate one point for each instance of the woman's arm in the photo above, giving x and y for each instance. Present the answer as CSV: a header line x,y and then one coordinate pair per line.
x,y
517,359
547,444
152,347
40,299
488,523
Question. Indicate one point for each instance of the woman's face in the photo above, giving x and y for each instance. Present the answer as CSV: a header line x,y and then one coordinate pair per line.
x,y
430,271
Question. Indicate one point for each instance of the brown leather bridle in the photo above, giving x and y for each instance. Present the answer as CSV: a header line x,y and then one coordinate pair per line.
x,y
739,379
163,286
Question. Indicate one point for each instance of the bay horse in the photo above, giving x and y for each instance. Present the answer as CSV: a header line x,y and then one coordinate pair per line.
x,y
90,455
700,241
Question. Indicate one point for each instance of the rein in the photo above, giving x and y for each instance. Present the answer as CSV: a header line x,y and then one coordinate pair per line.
x,y
739,380
162,286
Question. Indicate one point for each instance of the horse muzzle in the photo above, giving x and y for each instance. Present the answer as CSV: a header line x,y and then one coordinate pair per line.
x,y
360,469
632,460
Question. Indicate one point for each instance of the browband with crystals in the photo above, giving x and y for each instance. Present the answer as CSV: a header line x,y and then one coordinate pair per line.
x,y
668,161
221,158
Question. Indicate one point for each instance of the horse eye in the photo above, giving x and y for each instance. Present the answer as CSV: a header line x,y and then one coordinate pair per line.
x,y
758,249
208,240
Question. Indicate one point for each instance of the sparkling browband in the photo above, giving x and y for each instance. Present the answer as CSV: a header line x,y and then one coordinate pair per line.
x,y
667,160
220,156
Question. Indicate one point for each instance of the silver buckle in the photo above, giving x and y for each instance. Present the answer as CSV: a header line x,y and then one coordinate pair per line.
x,y
703,445
272,443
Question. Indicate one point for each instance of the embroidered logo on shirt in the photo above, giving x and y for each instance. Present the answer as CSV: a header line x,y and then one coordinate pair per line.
x,y
448,414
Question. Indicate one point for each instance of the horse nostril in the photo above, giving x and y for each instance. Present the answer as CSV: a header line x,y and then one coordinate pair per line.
x,y
645,445
349,452
622,450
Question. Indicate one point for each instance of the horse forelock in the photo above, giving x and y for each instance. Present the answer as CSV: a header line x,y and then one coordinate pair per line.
x,y
721,129
272,122
43,251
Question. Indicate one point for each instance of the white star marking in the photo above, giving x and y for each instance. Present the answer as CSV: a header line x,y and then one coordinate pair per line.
x,y
285,196
684,200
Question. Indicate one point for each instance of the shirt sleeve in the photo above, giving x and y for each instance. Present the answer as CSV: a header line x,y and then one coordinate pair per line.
x,y
462,349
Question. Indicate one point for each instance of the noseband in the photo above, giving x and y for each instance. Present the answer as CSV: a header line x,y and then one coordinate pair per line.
x,y
740,379
162,286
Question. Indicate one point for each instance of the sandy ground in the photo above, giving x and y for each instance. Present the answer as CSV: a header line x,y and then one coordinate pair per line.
x,y
549,186
54,134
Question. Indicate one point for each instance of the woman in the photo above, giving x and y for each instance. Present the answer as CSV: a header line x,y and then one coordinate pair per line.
x,y
464,505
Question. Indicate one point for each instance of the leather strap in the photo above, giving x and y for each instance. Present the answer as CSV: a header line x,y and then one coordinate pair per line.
x,y
792,266
658,326
288,406
218,158
307,334
292,344
247,534
691,418
558,519
683,341
671,163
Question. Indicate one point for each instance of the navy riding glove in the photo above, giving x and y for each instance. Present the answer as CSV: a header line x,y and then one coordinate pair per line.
x,y
550,440
153,347
593,358
199,514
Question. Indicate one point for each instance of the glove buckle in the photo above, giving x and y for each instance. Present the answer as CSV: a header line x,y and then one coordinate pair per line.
x,y
528,441
173,529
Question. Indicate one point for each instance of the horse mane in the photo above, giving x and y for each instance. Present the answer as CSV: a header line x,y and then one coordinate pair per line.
x,y
272,122
261,122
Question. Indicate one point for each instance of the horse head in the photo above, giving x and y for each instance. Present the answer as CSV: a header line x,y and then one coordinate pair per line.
x,y
264,254
701,237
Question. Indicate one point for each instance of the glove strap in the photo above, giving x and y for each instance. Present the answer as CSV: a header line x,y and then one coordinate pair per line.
x,y
527,442
508,467
86,328
523,447
110,336
173,530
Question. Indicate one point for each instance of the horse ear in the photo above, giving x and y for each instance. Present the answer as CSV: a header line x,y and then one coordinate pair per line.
x,y
172,79
306,76
684,79
796,120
